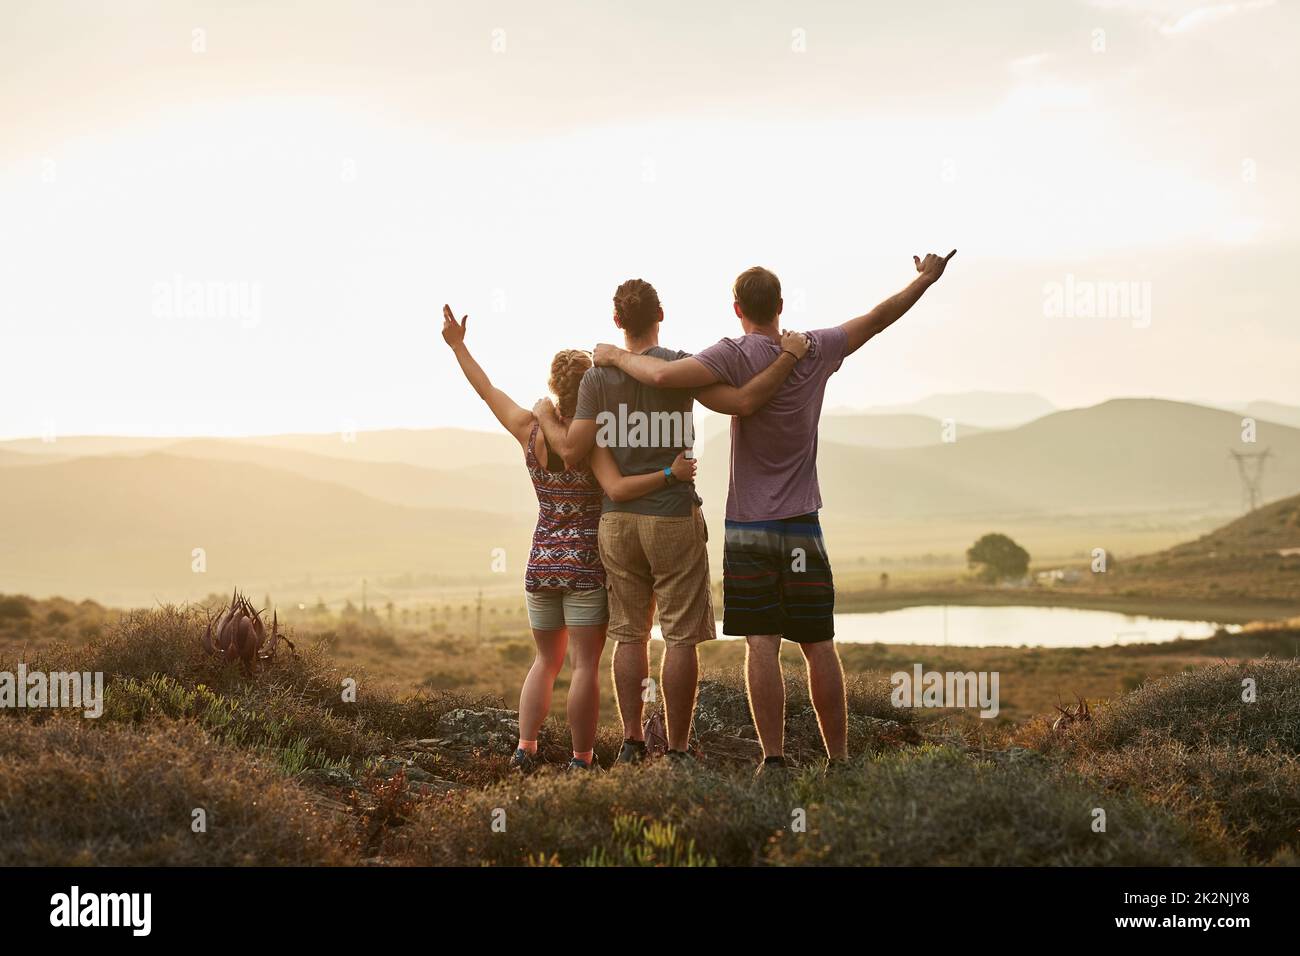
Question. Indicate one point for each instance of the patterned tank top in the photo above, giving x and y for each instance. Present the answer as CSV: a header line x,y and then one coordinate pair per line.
x,y
565,553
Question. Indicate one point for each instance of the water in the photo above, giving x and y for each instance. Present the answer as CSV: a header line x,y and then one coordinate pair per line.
x,y
964,626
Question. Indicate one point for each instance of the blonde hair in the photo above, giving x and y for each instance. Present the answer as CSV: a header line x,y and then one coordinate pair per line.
x,y
567,369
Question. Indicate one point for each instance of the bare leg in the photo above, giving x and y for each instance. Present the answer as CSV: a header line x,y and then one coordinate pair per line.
x,y
535,697
766,689
680,677
584,689
826,688
631,668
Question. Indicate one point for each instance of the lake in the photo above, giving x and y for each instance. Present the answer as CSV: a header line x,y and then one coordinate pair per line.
x,y
968,626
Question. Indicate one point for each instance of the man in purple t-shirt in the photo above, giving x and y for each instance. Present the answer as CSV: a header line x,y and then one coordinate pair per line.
x,y
776,575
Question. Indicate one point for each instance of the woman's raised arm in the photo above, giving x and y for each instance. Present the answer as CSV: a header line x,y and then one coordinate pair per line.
x,y
516,420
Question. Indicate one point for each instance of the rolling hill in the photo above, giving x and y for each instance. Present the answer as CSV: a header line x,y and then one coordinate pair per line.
x,y
127,525
982,409
267,511
1123,456
487,486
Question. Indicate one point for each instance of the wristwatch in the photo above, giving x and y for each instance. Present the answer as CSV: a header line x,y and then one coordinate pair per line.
x,y
669,477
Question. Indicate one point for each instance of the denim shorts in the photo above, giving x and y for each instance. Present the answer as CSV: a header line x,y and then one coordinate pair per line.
x,y
553,609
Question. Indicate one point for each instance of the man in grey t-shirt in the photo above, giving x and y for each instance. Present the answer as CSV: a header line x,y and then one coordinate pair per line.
x,y
653,547
776,574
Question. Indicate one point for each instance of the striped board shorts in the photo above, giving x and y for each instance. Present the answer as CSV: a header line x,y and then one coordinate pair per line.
x,y
776,579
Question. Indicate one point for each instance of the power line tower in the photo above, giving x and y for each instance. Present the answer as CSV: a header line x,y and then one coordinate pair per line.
x,y
1250,466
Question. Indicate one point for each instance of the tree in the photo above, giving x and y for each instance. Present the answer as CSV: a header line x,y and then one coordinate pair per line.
x,y
997,557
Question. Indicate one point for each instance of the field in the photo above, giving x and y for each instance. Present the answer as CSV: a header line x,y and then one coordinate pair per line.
x,y
1181,768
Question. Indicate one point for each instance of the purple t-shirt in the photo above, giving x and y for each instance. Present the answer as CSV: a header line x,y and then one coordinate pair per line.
x,y
774,451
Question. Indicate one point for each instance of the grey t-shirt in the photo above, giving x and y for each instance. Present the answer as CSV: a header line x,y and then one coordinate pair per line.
x,y
645,428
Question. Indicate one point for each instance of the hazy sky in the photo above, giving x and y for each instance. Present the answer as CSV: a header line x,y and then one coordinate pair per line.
x,y
245,217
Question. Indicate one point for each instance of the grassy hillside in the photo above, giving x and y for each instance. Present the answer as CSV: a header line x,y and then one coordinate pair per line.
x,y
288,772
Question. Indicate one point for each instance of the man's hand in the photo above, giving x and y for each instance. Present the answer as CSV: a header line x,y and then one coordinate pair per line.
x,y
796,343
932,266
545,407
606,355
453,332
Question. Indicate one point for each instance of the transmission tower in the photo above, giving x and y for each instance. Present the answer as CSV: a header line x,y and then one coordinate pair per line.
x,y
1250,466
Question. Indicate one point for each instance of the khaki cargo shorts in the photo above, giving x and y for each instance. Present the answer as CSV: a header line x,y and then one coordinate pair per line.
x,y
652,560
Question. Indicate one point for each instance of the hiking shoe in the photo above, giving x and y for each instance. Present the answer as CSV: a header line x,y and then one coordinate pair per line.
x,y
680,758
632,751
576,764
523,761
772,768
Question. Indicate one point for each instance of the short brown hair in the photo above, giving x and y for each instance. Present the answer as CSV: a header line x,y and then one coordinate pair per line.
x,y
567,369
636,304
758,292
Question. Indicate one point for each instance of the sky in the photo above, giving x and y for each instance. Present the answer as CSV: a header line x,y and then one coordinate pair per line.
x,y
244,218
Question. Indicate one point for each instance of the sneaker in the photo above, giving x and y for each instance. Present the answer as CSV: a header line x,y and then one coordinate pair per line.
x,y
772,768
523,761
632,751
576,764
680,758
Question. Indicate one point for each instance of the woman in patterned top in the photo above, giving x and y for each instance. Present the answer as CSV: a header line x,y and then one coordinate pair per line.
x,y
565,582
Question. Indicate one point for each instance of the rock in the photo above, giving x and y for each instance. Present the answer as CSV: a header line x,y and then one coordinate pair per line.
x,y
328,777
491,728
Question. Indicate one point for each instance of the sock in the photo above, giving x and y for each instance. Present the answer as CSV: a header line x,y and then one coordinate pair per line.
x,y
528,746
777,758
635,743
585,755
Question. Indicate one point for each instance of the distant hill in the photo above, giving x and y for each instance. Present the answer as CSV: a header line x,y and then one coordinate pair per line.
x,y
489,486
889,431
127,525
1127,455
427,448
1275,412
983,409
265,512
76,446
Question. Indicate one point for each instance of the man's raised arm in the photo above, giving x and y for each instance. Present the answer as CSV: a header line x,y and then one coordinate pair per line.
x,y
884,315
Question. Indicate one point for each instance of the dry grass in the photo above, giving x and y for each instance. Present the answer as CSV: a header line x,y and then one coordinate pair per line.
x,y
76,794
1186,771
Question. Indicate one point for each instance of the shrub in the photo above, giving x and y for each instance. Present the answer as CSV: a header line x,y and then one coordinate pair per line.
x,y
1204,708
76,795
1249,798
929,806
13,608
